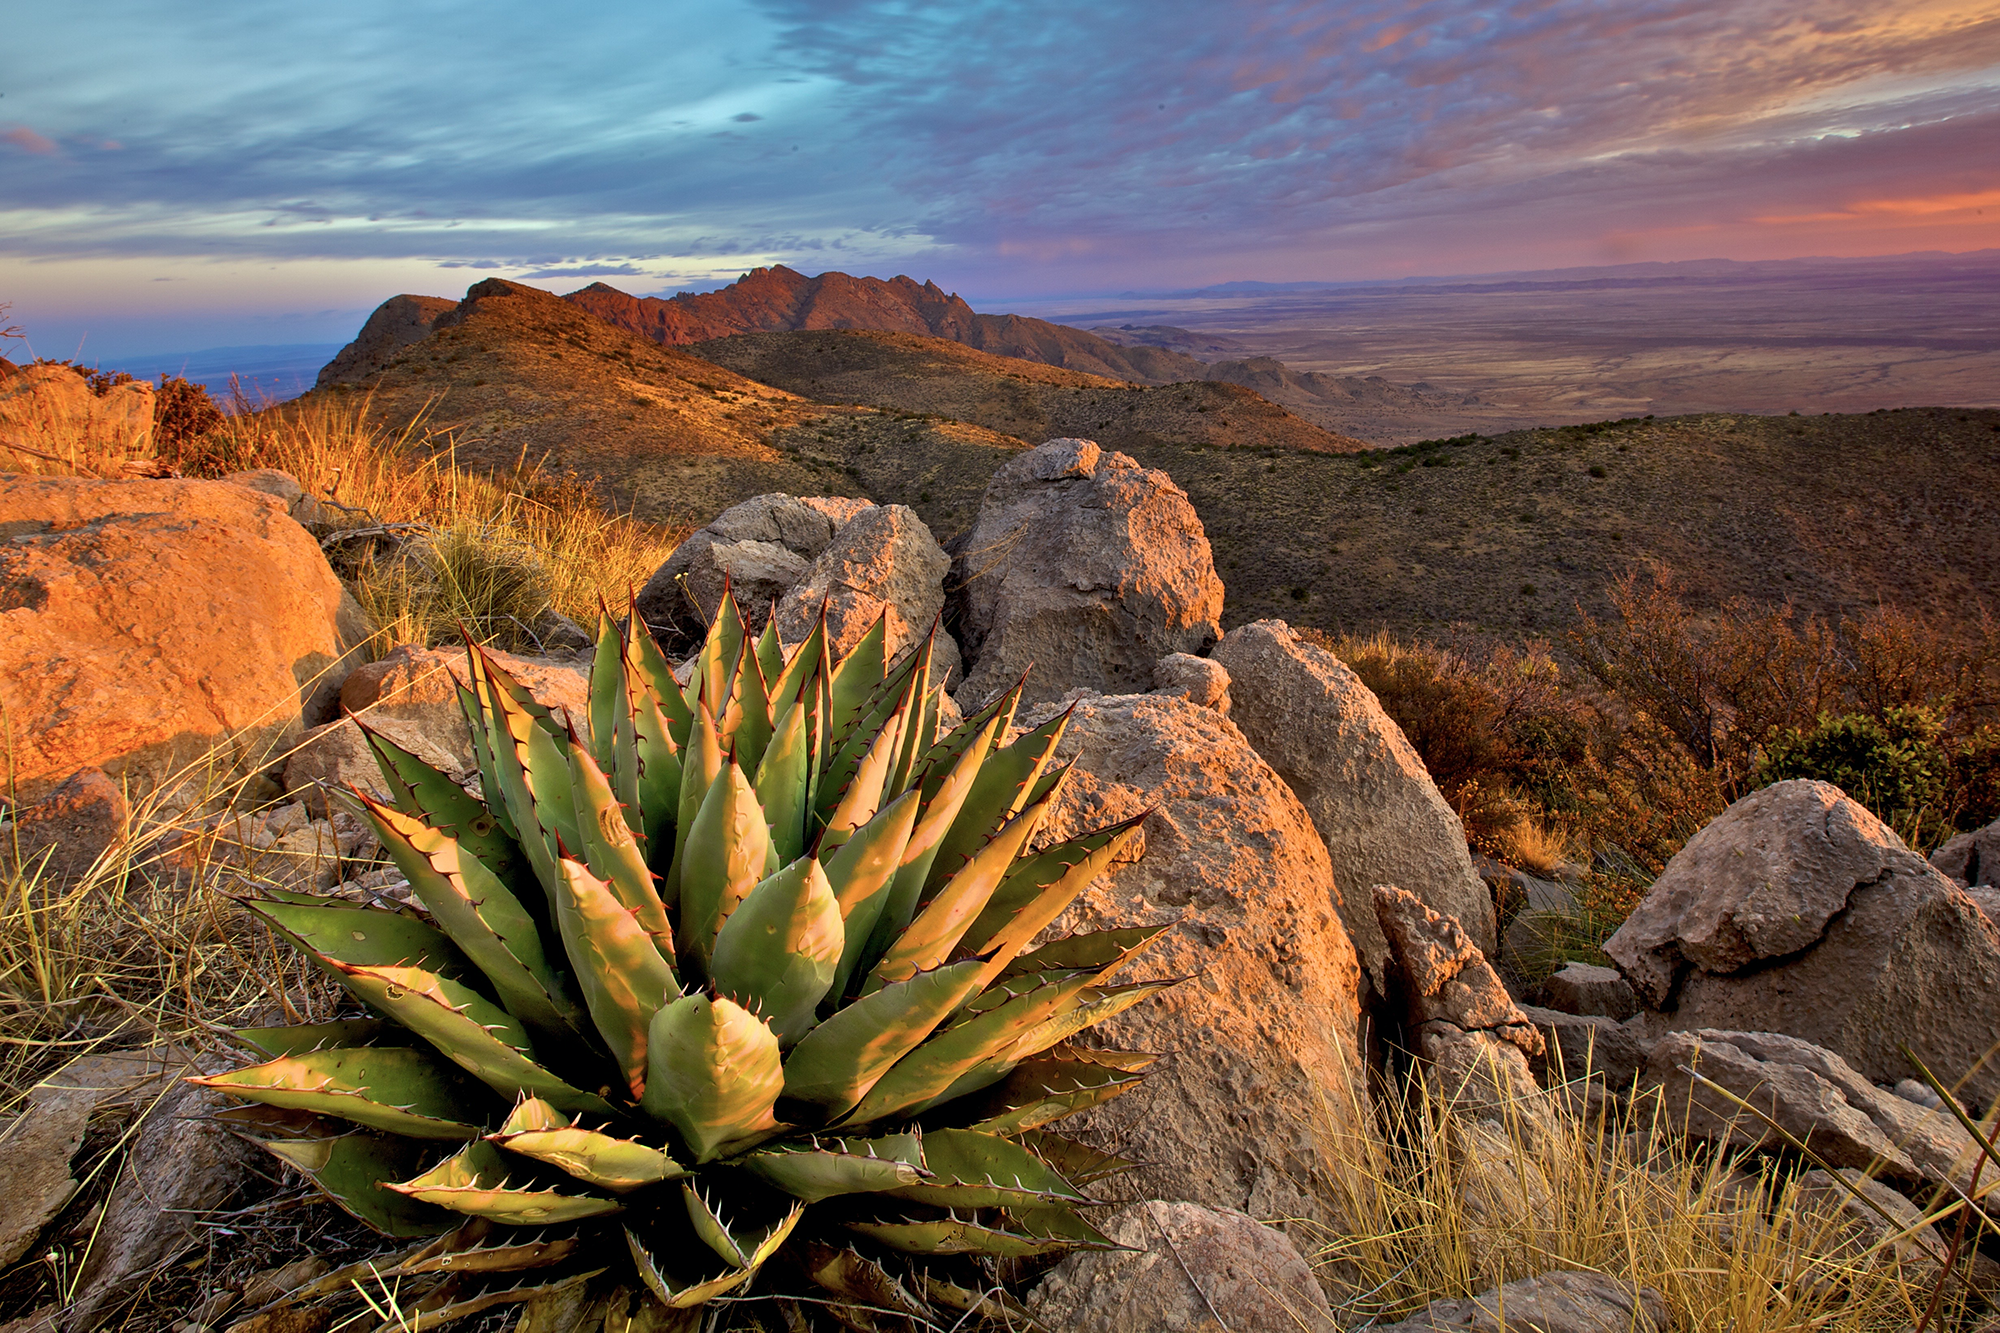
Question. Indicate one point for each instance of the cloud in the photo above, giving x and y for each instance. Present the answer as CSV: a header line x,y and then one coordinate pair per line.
x,y
28,141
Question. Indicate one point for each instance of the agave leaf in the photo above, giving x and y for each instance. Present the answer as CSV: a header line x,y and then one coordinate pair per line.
x,y
655,762
1094,1005
899,690
784,786
299,1038
483,753
714,1075
1078,1163
770,652
701,765
854,679
506,1257
715,664
1041,1092
985,1041
863,794
863,876
674,1291
482,917
824,1168
471,1031
835,1064
1102,952
974,1170
978,734
348,1170
395,1088
424,793
955,1235
795,684
539,1131
507,726
847,1273
776,953
1035,893
608,711
607,845
474,1181
746,720
366,936
728,847
930,939
619,968
920,731
999,793
749,1250
438,1307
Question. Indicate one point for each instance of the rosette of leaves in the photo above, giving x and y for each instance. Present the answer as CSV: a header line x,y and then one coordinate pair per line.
x,y
728,973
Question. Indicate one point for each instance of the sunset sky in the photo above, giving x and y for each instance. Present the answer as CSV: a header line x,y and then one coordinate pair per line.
x,y
176,174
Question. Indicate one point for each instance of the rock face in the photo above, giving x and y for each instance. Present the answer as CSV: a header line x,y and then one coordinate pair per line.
x,y
1613,1053
1566,1302
1796,911
882,560
1187,1267
67,830
43,405
396,323
1455,1009
1813,1095
1199,680
1973,859
1087,566
144,624
1258,1085
1370,797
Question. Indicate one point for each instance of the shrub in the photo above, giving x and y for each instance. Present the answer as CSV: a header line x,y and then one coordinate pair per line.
x,y
183,414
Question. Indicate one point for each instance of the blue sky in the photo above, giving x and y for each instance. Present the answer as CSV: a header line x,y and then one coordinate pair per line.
x,y
177,174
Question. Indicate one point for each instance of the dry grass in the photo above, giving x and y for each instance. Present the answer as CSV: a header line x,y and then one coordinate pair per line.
x,y
1446,1207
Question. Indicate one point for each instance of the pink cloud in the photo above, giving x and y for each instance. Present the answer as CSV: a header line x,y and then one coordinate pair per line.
x,y
28,141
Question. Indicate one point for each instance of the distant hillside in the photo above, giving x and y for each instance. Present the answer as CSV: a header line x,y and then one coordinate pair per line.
x,y
907,373
774,300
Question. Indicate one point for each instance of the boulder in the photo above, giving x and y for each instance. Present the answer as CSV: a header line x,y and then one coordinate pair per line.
x,y
763,546
1185,1267
1582,988
1458,1015
884,560
69,829
1258,1087
1565,1302
1844,1230
336,756
1614,1053
1812,1095
51,407
147,627
419,686
1370,797
1085,566
1973,859
1797,911
1199,680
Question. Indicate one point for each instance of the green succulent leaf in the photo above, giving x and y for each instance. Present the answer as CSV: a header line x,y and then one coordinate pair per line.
x,y
777,952
999,793
715,664
835,1064
1040,1092
973,1170
624,978
863,876
746,719
349,1169
861,795
396,1088
675,1291
729,851
474,1181
468,1029
299,1038
1050,1232
701,765
611,849
1037,890
1101,952
748,1250
1078,1163
476,721
715,1074
540,1131
821,1168
340,932
424,793
784,784
854,680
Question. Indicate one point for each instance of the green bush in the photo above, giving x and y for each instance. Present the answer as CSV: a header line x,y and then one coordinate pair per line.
x,y
1896,764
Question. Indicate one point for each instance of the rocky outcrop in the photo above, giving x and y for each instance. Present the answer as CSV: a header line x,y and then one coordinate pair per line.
x,y
47,407
149,625
881,561
1199,680
1184,1267
1258,1086
1565,1302
1370,796
1812,1096
1087,568
1456,1013
1796,911
396,323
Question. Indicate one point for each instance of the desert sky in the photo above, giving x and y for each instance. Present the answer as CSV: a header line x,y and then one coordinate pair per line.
x,y
185,173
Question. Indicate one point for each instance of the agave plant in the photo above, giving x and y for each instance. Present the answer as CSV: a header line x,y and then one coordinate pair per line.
x,y
738,970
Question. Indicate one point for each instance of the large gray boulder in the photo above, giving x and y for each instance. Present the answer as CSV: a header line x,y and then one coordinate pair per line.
x,y
1370,797
1562,1302
1184,1267
1086,566
881,561
1259,1086
1796,911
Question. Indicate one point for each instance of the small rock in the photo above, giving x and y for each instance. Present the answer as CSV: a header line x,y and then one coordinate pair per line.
x,y
554,632
1613,1053
74,825
1567,1302
1921,1093
1582,988
1973,859
762,546
1199,680
335,756
270,481
1189,1267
